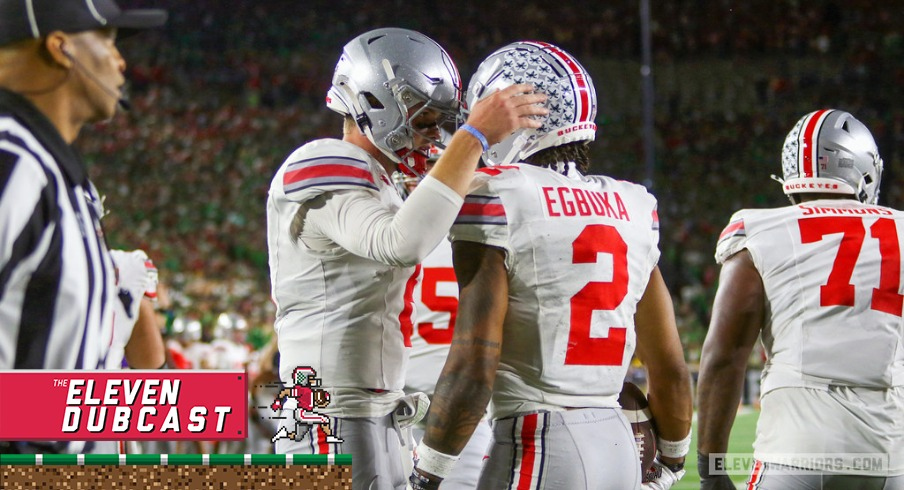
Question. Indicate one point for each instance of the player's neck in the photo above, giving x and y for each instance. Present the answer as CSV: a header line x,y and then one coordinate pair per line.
x,y
816,196
358,139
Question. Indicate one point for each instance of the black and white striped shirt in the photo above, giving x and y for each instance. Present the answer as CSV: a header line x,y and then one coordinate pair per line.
x,y
57,281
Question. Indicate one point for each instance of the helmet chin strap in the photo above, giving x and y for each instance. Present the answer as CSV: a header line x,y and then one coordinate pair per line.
x,y
517,145
861,194
413,163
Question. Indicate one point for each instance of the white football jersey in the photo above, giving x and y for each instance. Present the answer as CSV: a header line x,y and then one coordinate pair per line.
x,y
831,270
436,304
579,253
346,316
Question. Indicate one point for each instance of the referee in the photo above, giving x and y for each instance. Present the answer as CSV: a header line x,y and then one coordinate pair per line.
x,y
59,70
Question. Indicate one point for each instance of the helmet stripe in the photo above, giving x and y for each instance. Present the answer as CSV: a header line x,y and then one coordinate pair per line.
x,y
577,76
808,143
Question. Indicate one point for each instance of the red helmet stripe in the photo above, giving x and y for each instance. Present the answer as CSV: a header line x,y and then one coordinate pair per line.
x,y
581,89
807,144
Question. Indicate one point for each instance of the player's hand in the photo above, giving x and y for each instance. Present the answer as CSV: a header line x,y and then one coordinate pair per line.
x,y
133,278
504,111
664,477
708,481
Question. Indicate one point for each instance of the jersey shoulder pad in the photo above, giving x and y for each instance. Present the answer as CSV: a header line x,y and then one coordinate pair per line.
x,y
635,192
482,207
612,184
733,238
506,170
327,165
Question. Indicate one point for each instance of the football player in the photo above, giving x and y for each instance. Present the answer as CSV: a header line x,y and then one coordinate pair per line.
x,y
308,400
820,283
436,303
559,284
343,247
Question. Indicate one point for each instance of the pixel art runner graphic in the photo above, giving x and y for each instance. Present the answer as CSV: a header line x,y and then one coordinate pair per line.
x,y
309,398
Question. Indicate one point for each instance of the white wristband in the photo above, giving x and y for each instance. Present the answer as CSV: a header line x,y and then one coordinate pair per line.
x,y
673,449
434,462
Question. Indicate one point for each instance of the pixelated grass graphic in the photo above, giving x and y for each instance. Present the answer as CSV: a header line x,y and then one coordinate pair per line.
x,y
175,459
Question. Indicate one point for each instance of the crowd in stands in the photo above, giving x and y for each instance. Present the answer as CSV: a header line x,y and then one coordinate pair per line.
x,y
228,89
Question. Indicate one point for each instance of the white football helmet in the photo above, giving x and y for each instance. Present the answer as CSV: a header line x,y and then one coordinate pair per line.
x,y
829,151
304,376
383,74
571,97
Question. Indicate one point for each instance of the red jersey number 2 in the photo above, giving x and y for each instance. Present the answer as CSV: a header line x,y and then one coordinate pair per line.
x,y
595,295
838,290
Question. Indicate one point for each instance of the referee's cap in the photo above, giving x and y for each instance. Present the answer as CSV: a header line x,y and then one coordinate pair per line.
x,y
24,19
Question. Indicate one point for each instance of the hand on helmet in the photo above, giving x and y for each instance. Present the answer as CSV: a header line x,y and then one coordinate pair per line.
x,y
501,113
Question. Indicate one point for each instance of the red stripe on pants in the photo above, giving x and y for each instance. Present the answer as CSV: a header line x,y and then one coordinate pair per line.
x,y
755,475
528,451
320,437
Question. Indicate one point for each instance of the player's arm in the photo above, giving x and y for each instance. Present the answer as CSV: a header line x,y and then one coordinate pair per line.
x,y
659,347
145,348
466,382
362,224
738,315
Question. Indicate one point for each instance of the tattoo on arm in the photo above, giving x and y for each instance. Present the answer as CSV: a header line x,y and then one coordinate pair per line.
x,y
454,415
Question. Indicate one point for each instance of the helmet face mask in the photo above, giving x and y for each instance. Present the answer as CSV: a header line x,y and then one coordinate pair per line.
x,y
571,97
830,151
387,78
417,164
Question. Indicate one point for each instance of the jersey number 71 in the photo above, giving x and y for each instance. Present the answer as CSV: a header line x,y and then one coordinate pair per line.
x,y
838,290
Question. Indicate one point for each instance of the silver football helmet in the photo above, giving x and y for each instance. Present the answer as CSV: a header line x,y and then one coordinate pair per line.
x,y
571,97
385,73
829,151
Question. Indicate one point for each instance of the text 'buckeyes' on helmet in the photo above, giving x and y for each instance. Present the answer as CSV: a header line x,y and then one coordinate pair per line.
x,y
830,151
385,78
571,97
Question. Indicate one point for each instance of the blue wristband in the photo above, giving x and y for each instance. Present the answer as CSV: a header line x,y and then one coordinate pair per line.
x,y
477,134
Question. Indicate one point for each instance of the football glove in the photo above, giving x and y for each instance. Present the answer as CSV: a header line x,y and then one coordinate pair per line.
x,y
411,409
134,278
664,477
